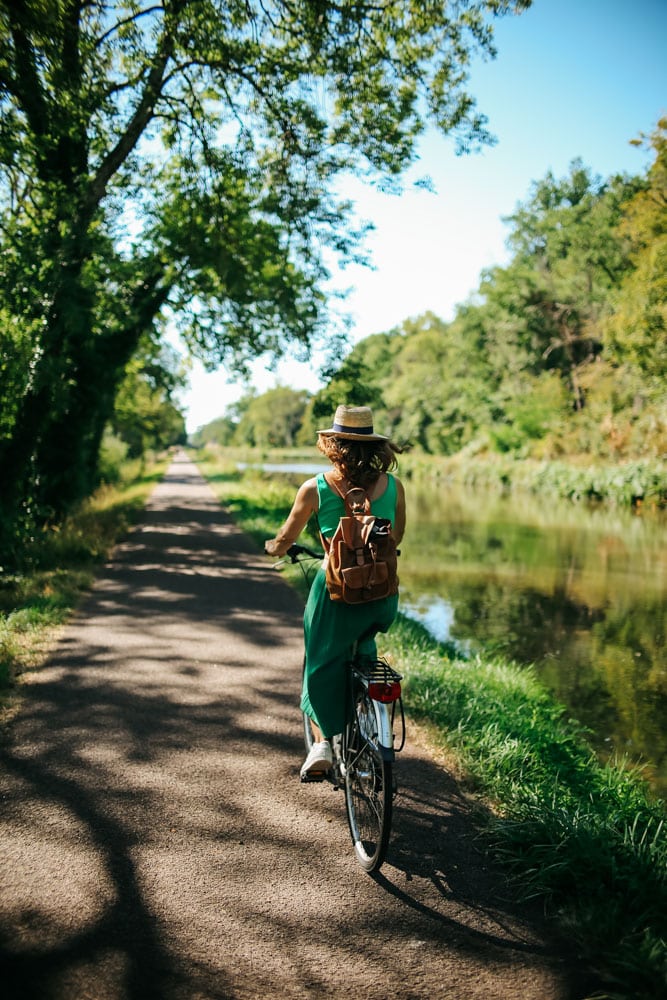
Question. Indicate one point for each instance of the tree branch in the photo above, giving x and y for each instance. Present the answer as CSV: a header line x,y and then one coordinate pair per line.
x,y
135,127
127,20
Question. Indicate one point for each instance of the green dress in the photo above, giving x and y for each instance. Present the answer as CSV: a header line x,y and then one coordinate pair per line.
x,y
331,627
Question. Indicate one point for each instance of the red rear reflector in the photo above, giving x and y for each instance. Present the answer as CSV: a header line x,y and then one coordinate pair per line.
x,y
379,691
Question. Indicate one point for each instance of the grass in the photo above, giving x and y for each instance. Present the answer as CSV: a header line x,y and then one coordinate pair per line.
x,y
62,566
640,484
586,838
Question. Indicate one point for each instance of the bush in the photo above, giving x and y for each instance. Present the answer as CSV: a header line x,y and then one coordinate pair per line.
x,y
113,453
628,484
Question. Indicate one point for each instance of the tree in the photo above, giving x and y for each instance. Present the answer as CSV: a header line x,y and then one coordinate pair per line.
x,y
441,377
274,419
636,332
533,363
353,382
176,159
145,415
550,300
219,431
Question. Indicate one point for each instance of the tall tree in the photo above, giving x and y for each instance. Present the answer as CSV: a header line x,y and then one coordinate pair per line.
x,y
566,258
274,419
636,332
177,158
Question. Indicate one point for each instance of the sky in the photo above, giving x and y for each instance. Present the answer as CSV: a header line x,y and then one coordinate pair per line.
x,y
572,78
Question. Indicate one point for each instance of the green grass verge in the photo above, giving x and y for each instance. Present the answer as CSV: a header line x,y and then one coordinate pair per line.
x,y
587,839
63,562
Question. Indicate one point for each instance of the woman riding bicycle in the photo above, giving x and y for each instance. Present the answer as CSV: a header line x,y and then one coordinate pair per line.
x,y
359,458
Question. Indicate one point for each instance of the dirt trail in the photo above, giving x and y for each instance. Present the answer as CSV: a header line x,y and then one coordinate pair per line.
x,y
155,841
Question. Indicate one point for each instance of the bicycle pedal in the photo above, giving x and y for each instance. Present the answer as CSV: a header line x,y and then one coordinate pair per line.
x,y
312,776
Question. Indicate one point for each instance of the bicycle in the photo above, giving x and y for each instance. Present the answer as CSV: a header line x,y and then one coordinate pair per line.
x,y
364,753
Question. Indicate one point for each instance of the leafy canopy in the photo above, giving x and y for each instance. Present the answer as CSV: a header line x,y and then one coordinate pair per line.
x,y
173,162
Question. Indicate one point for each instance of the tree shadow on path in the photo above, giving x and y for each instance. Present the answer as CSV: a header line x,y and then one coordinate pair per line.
x,y
127,812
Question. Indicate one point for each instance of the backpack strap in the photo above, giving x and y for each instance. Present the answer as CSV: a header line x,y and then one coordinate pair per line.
x,y
326,544
359,507
362,505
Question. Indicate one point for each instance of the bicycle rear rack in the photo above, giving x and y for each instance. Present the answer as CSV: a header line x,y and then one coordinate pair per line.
x,y
383,679
377,670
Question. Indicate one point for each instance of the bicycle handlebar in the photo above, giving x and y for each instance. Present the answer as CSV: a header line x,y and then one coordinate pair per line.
x,y
294,551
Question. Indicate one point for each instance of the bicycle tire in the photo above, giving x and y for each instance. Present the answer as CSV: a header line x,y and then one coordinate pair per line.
x,y
368,787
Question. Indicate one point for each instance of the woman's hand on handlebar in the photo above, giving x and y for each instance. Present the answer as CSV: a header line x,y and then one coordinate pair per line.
x,y
292,553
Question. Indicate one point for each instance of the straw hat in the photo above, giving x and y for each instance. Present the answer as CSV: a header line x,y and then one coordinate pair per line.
x,y
354,423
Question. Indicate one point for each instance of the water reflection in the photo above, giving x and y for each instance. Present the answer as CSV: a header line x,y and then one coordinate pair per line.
x,y
289,468
581,593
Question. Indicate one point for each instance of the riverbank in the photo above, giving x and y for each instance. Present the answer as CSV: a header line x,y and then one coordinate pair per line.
x,y
587,839
631,483
640,484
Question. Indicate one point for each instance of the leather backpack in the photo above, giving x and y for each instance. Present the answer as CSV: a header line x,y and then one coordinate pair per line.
x,y
362,559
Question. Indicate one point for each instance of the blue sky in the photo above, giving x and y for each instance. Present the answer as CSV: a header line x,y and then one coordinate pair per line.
x,y
573,78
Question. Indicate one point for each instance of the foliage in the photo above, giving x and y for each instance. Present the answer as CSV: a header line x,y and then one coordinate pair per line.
x,y
219,431
113,452
272,419
278,418
561,352
145,415
642,482
636,331
175,162
559,357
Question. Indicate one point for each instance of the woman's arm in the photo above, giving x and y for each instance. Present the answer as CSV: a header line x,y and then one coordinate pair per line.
x,y
398,529
305,504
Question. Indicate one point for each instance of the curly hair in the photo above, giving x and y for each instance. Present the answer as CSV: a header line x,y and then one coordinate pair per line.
x,y
361,462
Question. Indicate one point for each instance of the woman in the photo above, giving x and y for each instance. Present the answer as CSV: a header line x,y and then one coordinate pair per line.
x,y
361,458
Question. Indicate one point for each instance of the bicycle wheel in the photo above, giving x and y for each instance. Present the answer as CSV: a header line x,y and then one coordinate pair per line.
x,y
368,787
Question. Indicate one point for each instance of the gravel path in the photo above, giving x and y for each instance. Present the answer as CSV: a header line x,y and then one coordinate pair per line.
x,y
155,841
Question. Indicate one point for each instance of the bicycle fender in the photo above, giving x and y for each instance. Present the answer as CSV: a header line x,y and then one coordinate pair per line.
x,y
384,731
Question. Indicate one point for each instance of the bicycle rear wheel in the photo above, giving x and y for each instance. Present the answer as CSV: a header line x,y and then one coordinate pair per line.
x,y
368,787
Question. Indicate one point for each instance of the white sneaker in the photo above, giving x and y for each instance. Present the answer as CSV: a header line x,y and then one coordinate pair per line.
x,y
318,760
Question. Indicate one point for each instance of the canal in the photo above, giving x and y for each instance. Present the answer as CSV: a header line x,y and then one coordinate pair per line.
x,y
578,592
